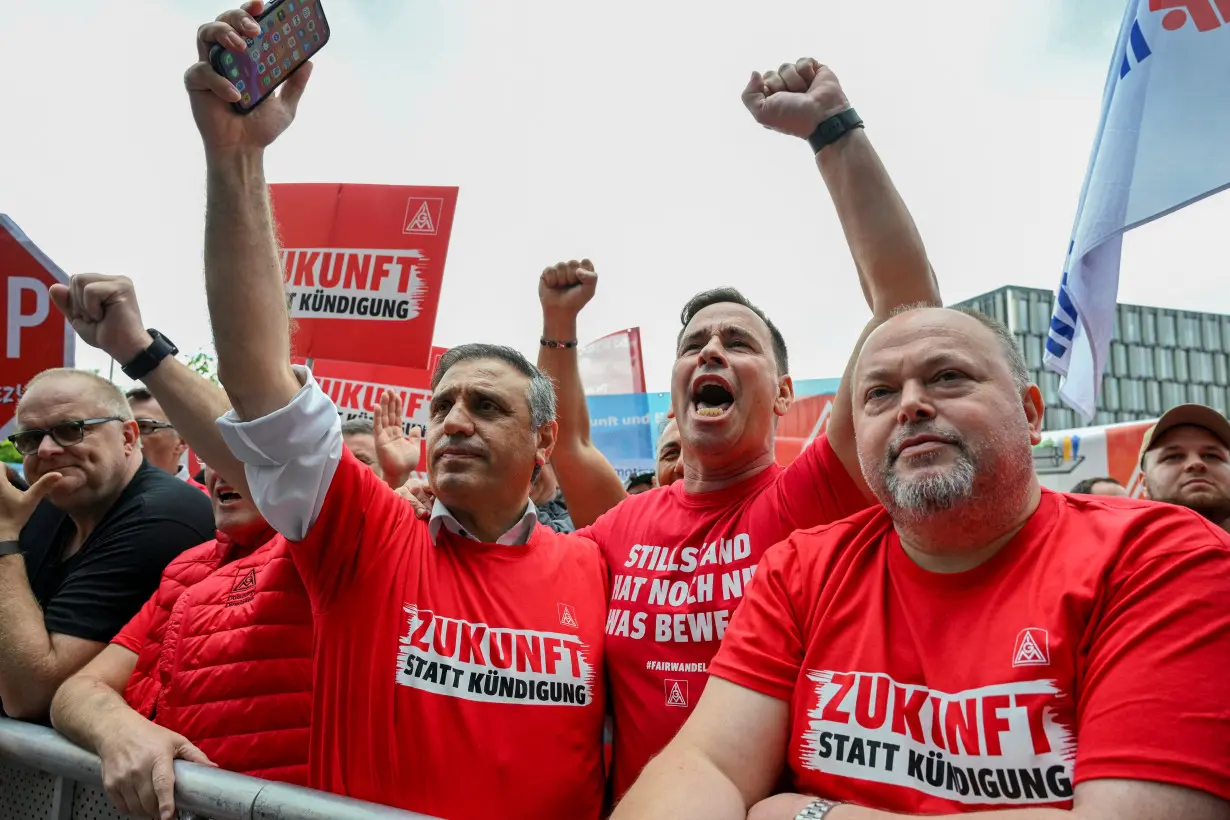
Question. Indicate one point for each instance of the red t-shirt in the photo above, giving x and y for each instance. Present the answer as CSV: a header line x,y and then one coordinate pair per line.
x,y
140,629
679,563
1093,645
456,679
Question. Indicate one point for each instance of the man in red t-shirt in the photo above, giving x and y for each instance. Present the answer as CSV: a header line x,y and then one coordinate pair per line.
x,y
680,556
977,644
458,662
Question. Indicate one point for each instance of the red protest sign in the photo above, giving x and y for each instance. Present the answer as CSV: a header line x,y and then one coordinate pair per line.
x,y
355,389
436,354
363,265
36,335
612,365
807,418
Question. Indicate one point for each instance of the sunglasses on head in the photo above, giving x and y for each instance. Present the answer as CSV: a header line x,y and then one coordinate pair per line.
x,y
65,434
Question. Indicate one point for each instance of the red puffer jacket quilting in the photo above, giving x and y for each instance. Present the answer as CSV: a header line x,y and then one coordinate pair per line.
x,y
227,659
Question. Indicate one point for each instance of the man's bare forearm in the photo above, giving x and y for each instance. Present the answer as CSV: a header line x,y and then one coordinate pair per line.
x,y
193,404
682,784
563,366
850,812
588,480
1102,799
888,253
26,653
243,281
86,710
884,241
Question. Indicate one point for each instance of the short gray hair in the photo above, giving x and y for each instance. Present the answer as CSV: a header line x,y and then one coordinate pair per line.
x,y
666,422
358,427
1013,356
541,392
111,398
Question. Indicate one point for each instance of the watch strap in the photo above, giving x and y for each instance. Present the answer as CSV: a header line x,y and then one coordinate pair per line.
x,y
817,809
834,128
150,357
10,548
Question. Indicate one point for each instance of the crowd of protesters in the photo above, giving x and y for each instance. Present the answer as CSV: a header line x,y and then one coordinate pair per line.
x,y
900,622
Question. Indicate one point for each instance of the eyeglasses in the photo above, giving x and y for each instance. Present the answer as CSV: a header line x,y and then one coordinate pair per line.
x,y
150,426
65,434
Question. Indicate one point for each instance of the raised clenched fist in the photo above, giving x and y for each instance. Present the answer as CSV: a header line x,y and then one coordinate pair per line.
x,y
796,98
104,312
567,287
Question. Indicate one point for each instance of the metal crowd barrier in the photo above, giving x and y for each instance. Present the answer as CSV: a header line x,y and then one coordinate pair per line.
x,y
45,777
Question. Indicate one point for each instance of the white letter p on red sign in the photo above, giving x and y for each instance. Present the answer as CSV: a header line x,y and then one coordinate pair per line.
x,y
16,320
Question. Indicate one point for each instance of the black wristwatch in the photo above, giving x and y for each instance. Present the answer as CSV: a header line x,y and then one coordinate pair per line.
x,y
149,358
10,548
834,128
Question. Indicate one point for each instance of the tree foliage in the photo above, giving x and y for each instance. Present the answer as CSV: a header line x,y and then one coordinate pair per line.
x,y
205,363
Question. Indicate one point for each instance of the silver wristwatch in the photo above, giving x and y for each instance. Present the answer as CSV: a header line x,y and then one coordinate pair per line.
x,y
817,809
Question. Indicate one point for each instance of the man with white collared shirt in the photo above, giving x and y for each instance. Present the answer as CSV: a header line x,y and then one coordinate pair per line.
x,y
458,667
493,612
441,518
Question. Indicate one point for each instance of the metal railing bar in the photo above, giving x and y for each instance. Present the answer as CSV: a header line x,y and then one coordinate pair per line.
x,y
214,793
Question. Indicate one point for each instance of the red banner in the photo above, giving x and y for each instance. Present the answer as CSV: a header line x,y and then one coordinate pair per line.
x,y
36,335
612,365
436,353
807,418
1123,455
363,266
356,388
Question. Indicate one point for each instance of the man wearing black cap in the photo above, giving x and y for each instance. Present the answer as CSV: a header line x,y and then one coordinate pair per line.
x,y
1185,459
638,483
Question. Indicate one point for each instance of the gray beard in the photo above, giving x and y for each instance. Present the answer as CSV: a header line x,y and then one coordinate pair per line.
x,y
933,493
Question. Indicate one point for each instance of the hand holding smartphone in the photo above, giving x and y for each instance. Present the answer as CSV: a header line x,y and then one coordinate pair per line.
x,y
292,31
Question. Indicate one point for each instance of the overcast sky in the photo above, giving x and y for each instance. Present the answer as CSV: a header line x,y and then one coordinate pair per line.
x,y
607,130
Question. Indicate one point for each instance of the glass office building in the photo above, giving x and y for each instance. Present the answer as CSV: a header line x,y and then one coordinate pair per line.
x,y
1159,358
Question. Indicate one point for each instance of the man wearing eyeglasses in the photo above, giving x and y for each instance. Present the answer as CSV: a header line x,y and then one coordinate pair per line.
x,y
161,443
84,547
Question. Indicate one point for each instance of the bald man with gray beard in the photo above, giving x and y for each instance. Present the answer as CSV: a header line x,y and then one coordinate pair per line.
x,y
978,643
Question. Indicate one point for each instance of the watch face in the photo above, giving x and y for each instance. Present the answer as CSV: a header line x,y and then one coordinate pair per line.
x,y
148,359
161,342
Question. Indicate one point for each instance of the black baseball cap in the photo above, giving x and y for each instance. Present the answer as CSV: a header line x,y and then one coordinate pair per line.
x,y
638,478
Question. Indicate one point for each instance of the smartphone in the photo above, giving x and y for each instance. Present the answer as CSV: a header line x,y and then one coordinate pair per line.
x,y
292,31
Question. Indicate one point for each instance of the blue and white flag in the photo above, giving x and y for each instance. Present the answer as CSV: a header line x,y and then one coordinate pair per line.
x,y
1163,142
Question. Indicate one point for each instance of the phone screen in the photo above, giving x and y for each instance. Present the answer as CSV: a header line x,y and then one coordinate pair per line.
x,y
291,32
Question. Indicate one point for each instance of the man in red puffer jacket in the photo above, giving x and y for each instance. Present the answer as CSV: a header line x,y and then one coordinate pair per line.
x,y
214,669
